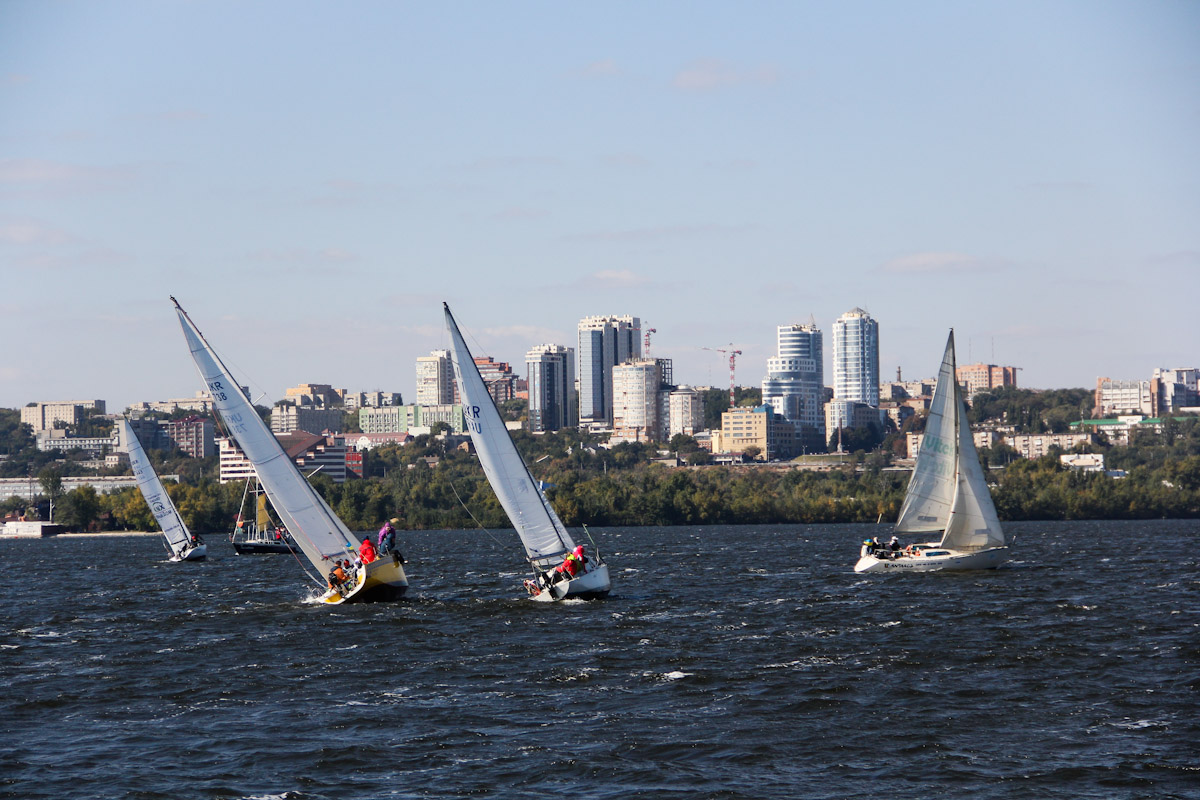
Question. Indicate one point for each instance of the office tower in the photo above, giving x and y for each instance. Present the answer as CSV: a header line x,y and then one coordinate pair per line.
x,y
604,342
636,400
552,402
435,379
686,412
856,358
795,383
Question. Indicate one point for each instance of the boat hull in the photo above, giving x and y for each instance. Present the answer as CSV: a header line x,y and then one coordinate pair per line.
x,y
590,585
381,581
951,561
197,553
254,548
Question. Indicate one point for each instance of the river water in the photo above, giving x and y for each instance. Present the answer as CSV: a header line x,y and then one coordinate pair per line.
x,y
728,662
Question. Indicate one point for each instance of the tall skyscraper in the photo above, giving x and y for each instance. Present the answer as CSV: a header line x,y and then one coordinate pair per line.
x,y
795,382
637,404
435,379
604,342
856,358
552,402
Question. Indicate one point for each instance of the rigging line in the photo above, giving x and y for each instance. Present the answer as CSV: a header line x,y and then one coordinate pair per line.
x,y
472,516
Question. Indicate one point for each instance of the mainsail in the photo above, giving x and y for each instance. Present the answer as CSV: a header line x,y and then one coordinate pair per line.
x,y
540,529
948,492
313,525
178,536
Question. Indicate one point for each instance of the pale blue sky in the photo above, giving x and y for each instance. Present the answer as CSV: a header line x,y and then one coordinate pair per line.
x,y
311,180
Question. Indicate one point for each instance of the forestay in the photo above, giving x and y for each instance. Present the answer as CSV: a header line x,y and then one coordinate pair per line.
x,y
540,529
314,526
178,536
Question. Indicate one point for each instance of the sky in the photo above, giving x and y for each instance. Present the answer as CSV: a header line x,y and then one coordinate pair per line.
x,y
312,180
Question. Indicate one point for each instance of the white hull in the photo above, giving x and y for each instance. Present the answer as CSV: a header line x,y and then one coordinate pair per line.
x,y
381,580
951,560
591,584
197,553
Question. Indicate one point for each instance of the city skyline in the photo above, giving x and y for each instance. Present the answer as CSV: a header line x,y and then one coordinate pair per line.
x,y
1022,173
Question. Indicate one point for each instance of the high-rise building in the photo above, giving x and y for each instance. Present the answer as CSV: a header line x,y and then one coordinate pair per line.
x,y
856,358
435,379
637,404
795,383
552,401
686,414
604,342
497,377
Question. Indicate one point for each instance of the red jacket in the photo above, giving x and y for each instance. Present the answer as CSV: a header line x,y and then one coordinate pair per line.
x,y
367,551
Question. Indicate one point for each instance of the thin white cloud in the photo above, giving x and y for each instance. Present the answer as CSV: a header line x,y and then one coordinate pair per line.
x,y
710,74
1180,259
601,69
14,79
26,232
512,162
659,233
40,172
514,214
305,257
625,161
934,262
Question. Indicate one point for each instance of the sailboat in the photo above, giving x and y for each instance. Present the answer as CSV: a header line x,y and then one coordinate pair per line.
x,y
319,534
947,494
256,533
546,540
183,544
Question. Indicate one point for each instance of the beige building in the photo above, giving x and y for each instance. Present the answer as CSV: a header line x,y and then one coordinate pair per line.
x,y
43,416
759,427
315,394
313,419
201,404
1124,397
982,377
1036,445
435,379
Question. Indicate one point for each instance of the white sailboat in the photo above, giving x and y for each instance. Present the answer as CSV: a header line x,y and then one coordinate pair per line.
x,y
183,544
256,533
320,535
547,543
947,494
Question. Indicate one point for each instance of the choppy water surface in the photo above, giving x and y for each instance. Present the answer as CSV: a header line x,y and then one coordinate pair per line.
x,y
729,662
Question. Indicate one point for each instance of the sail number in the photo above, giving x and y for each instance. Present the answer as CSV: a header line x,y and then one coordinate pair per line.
x,y
217,390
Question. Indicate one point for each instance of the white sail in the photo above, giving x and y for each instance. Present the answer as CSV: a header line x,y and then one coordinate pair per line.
x,y
974,524
948,492
932,488
179,538
540,529
313,525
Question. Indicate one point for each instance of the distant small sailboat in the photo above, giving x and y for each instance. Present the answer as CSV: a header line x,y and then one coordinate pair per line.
x,y
547,543
256,534
947,494
183,544
321,536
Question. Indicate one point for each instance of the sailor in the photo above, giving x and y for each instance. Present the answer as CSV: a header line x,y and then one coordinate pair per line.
x,y
366,551
581,558
894,544
387,535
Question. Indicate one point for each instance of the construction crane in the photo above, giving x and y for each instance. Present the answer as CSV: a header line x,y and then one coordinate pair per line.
x,y
733,354
646,348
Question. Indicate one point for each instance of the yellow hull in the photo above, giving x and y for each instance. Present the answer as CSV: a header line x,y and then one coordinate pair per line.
x,y
383,580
